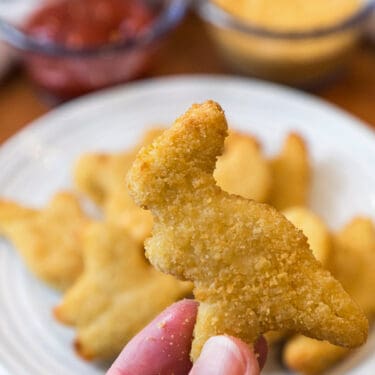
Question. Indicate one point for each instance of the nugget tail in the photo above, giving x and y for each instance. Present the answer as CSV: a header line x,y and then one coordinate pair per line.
x,y
328,312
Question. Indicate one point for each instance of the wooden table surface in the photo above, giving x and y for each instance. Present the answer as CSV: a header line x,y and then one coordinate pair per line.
x,y
189,50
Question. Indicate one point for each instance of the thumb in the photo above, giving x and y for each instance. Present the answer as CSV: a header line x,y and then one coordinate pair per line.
x,y
225,355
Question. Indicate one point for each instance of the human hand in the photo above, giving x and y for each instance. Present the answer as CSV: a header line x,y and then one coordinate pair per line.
x,y
163,347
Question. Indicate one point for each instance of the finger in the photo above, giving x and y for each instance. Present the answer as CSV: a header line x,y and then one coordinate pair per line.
x,y
225,355
163,347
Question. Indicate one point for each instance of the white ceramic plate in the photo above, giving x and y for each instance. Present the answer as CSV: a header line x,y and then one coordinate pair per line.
x,y
38,160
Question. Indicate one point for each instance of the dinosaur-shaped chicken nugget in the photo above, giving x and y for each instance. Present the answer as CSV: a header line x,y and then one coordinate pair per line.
x,y
101,176
11,214
253,271
120,209
311,357
320,242
353,263
242,169
316,231
49,239
290,174
117,294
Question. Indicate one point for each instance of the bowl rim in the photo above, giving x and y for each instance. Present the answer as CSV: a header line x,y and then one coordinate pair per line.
x,y
168,18
218,16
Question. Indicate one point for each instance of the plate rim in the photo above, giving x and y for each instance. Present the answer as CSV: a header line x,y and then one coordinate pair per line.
x,y
41,122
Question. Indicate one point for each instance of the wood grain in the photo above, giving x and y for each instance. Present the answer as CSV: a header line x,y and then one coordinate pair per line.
x,y
189,50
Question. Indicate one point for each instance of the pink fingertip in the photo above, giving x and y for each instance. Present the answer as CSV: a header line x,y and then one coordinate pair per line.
x,y
225,355
162,347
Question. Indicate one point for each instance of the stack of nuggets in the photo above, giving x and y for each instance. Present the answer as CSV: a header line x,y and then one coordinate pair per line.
x,y
111,291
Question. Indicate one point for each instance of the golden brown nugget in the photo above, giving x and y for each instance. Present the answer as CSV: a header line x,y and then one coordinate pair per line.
x,y
252,269
291,174
320,242
49,240
353,263
99,174
314,228
120,209
242,169
311,357
11,214
117,294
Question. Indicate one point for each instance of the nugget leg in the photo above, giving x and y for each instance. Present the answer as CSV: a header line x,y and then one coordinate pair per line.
x,y
205,327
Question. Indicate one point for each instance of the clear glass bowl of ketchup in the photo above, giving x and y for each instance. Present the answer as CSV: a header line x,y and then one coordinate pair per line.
x,y
72,47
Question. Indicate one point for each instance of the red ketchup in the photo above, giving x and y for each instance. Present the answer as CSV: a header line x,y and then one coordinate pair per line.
x,y
85,24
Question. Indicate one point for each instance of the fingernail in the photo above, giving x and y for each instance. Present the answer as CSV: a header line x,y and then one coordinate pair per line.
x,y
223,355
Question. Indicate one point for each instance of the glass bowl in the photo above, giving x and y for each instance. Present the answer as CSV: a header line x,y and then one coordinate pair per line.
x,y
303,59
66,72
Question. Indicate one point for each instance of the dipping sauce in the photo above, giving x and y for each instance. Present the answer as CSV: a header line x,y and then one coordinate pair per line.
x,y
305,61
81,24
292,15
89,24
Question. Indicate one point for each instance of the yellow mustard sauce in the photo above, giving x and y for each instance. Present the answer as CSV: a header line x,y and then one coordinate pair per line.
x,y
288,60
292,15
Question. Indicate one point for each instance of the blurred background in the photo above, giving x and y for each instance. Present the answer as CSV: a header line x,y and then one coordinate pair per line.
x,y
54,51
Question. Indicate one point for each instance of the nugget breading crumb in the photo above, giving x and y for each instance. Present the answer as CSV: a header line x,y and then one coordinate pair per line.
x,y
253,271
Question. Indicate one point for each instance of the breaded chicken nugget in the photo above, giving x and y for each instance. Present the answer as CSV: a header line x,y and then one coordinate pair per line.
x,y
101,176
253,271
97,174
319,239
314,228
353,263
120,209
12,214
291,174
49,240
117,294
311,357
242,169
